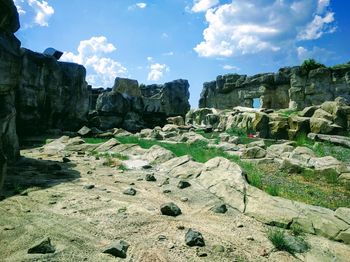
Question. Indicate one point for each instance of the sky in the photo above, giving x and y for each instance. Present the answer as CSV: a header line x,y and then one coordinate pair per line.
x,y
157,41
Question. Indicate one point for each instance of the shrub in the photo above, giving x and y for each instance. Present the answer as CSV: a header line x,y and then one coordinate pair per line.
x,y
310,64
272,190
278,239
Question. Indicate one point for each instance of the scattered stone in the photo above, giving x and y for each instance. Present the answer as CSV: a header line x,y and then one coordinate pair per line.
x,y
65,160
84,131
130,191
117,249
88,187
194,238
219,209
218,249
52,202
240,225
150,178
9,228
43,247
202,254
132,184
183,184
171,246
147,167
166,191
170,209
180,227
250,238
184,199
89,172
162,238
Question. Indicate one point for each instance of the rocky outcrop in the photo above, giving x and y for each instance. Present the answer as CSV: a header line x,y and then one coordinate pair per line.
x,y
288,88
9,71
135,107
331,117
50,95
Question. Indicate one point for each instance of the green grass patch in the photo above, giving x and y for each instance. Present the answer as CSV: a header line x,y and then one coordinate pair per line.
x,y
278,239
95,140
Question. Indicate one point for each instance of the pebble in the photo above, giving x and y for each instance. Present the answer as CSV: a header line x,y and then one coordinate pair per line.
x,y
184,199
183,184
150,178
194,238
130,191
118,249
89,187
170,209
43,247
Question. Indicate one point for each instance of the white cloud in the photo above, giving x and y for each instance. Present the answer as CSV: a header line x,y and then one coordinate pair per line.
x,y
149,58
157,71
165,35
39,12
319,26
171,53
92,53
230,67
250,26
203,5
141,5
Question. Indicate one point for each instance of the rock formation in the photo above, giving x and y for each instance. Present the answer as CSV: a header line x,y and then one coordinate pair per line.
x,y
288,88
50,95
9,71
134,107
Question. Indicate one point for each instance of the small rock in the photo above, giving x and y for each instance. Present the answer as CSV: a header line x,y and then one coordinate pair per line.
x,y
202,254
171,246
89,172
52,202
130,191
89,187
194,238
180,227
218,249
65,160
162,238
8,228
250,238
170,209
219,209
117,249
184,199
132,184
139,179
147,167
183,184
166,191
150,178
44,247
240,225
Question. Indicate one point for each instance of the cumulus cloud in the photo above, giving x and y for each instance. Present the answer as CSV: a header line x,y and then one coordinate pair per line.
x,y
319,26
230,67
39,12
140,5
171,53
157,71
250,26
101,69
203,5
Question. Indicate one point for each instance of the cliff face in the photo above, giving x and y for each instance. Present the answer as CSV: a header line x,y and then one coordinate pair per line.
x,y
50,95
9,71
288,88
134,107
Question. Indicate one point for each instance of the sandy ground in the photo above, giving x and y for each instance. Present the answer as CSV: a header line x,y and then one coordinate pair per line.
x,y
82,222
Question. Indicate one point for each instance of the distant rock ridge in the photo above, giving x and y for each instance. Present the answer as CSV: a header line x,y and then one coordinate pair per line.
x,y
290,87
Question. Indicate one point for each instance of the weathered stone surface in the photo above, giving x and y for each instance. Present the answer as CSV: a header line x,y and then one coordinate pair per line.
x,y
127,87
224,179
10,64
289,87
157,154
51,95
253,152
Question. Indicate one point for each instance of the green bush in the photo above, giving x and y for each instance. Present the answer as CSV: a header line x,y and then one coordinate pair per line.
x,y
278,239
272,190
310,64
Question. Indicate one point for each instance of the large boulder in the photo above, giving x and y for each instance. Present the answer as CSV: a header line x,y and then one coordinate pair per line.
x,y
127,87
51,95
10,64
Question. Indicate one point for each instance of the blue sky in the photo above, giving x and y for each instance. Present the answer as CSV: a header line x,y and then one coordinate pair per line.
x,y
155,41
